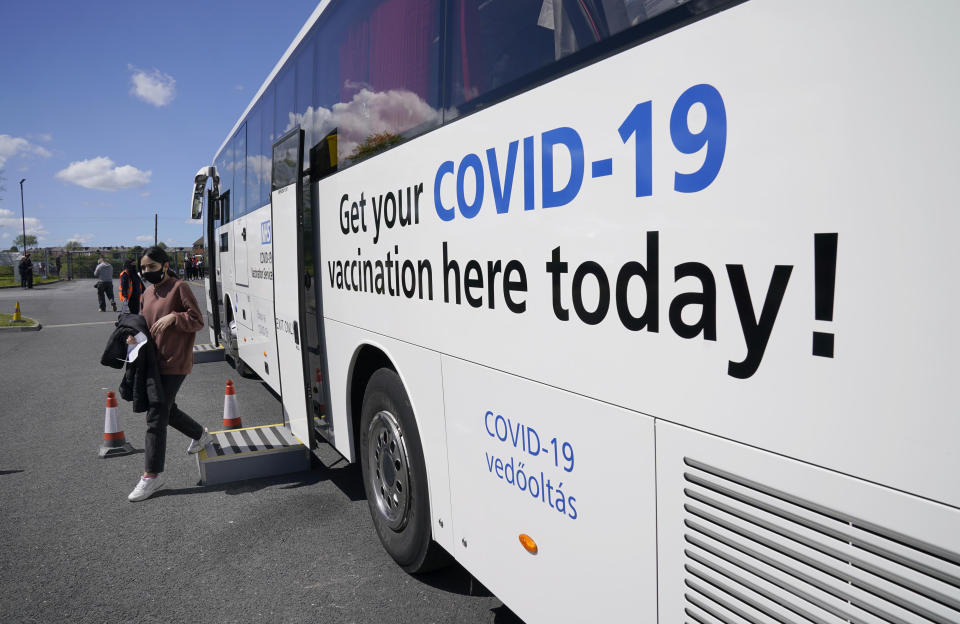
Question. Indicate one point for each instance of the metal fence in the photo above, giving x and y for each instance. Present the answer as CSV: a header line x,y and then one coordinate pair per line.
x,y
75,264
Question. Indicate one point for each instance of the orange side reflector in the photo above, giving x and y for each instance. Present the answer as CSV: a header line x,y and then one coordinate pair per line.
x,y
264,354
528,543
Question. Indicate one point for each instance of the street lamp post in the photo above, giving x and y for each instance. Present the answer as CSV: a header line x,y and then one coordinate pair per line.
x,y
23,220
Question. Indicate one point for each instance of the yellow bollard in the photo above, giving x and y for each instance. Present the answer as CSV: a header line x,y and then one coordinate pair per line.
x,y
16,313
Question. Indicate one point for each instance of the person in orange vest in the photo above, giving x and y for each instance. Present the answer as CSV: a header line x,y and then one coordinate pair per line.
x,y
131,287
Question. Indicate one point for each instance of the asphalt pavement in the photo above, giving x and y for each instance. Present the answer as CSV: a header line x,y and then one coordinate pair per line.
x,y
297,548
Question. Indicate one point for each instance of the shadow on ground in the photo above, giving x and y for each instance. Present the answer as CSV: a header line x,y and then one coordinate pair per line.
x,y
348,479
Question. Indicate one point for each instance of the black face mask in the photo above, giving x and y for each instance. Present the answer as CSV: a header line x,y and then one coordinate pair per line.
x,y
154,277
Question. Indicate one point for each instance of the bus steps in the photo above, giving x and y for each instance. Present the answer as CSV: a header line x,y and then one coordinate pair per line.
x,y
251,453
207,353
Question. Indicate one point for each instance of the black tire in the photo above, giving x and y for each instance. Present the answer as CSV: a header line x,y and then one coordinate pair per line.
x,y
395,476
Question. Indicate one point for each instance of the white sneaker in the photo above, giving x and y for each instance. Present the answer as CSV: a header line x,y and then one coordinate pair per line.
x,y
196,445
146,488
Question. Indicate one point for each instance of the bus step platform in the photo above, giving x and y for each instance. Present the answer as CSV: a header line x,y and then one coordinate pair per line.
x,y
251,453
207,353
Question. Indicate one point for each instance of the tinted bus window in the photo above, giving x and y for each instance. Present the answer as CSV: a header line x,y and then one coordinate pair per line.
x,y
256,171
220,164
226,176
498,46
240,171
304,97
284,117
266,142
377,78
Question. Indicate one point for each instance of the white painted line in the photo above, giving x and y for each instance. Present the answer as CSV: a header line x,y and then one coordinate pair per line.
x,y
79,324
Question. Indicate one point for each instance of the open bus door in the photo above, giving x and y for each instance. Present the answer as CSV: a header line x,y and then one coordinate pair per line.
x,y
291,277
210,244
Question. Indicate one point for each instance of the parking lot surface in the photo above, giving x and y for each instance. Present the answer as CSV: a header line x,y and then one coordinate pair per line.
x,y
298,548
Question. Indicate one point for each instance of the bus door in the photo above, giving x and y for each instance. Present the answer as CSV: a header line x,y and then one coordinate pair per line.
x,y
313,305
289,280
211,217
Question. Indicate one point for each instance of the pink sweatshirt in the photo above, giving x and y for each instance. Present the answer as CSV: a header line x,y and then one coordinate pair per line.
x,y
175,344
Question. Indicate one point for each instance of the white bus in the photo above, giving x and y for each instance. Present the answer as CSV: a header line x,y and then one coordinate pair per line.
x,y
641,310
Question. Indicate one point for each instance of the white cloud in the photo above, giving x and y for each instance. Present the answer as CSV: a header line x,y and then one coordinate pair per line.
x,y
45,137
259,166
11,221
83,239
145,238
369,113
154,87
193,221
238,87
11,146
145,194
100,173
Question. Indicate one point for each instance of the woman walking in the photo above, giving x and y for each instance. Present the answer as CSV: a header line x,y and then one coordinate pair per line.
x,y
173,316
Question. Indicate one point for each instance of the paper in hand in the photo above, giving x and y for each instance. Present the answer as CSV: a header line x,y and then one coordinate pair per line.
x,y
133,350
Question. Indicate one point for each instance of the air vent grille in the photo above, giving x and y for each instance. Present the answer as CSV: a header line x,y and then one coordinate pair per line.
x,y
755,554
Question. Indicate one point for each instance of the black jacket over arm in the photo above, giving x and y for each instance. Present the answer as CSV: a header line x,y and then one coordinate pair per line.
x,y
141,380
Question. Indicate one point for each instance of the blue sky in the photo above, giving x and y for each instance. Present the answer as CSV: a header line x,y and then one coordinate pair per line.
x,y
109,108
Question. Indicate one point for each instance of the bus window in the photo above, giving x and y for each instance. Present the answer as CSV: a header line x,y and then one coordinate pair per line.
x,y
499,43
284,116
257,163
304,91
377,77
240,171
266,143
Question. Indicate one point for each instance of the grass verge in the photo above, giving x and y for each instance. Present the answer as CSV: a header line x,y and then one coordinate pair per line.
x,y
8,280
6,320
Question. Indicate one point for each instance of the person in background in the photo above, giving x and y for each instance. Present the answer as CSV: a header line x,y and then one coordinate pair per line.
x,y
104,275
131,287
174,318
26,272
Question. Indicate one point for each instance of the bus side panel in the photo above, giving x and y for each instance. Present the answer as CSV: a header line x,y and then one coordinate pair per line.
x,y
419,370
828,224
260,351
574,474
791,537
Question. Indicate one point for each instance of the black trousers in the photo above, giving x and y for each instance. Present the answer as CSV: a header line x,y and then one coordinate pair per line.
x,y
105,288
155,446
134,304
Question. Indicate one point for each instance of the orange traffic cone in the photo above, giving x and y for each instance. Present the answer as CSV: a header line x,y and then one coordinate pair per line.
x,y
231,415
114,442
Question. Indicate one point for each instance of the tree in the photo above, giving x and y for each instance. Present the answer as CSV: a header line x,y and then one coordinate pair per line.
x,y
31,240
162,245
73,246
14,248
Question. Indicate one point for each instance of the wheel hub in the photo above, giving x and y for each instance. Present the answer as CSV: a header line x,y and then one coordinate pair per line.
x,y
389,469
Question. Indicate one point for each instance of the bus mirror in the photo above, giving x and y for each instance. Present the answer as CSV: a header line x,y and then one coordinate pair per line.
x,y
196,212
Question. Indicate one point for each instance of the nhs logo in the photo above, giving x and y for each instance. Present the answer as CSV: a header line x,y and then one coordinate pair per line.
x,y
265,233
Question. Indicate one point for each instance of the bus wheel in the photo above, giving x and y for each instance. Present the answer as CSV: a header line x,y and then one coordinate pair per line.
x,y
395,476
